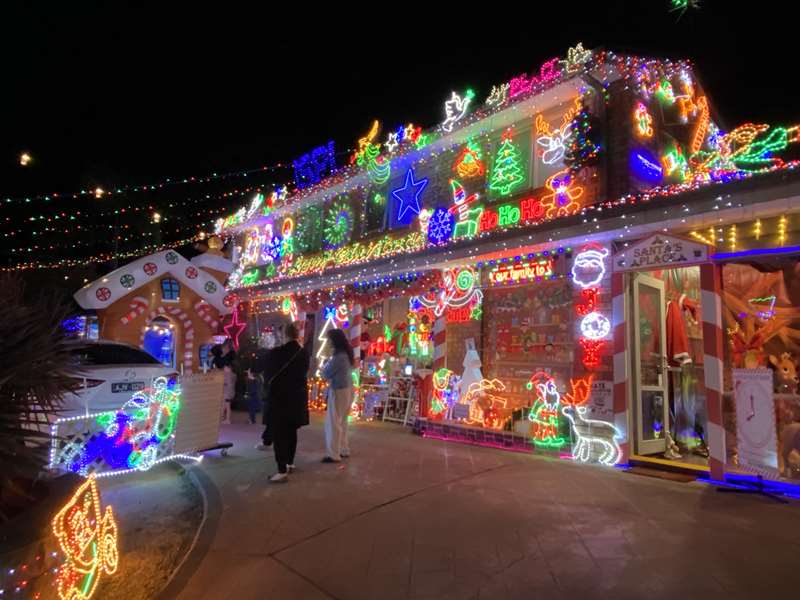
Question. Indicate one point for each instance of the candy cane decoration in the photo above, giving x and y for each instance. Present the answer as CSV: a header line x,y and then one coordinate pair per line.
x,y
355,333
138,306
621,363
711,310
205,312
439,343
188,338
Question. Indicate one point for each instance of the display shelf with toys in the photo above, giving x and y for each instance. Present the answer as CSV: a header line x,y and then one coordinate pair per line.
x,y
374,397
528,328
399,400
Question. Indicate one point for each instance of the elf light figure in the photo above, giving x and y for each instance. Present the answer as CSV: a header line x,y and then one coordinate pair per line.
x,y
545,411
442,393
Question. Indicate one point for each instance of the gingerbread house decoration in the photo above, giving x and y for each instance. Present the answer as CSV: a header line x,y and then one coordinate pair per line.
x,y
169,306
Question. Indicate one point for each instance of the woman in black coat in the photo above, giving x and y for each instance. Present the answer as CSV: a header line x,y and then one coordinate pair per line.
x,y
286,372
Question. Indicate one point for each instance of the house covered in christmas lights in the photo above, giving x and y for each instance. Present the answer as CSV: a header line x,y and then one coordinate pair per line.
x,y
614,255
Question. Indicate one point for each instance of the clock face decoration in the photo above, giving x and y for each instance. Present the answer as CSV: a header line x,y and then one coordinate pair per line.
x,y
754,414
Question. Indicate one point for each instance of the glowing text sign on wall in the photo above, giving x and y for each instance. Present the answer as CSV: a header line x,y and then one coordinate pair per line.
x,y
521,271
509,215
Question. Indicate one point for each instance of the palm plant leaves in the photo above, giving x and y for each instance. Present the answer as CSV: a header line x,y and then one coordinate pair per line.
x,y
35,371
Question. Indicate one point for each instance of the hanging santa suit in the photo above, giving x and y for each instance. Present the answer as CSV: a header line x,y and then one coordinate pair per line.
x,y
677,338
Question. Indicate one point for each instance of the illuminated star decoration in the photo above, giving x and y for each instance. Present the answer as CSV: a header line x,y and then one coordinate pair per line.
x,y
234,329
391,142
411,133
408,195
456,108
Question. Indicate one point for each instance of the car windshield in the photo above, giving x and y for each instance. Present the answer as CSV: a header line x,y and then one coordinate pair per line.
x,y
112,354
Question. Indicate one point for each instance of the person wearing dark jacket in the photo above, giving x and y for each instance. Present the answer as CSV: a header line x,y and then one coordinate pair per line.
x,y
285,371
260,367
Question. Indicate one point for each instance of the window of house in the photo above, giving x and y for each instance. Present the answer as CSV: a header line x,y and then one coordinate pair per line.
x,y
205,355
170,289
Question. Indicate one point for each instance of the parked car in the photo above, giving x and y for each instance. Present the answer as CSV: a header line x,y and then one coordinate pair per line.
x,y
109,372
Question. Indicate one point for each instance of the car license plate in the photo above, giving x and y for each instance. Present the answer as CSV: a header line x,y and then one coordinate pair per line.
x,y
127,386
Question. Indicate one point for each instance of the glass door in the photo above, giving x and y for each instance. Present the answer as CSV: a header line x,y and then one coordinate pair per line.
x,y
650,365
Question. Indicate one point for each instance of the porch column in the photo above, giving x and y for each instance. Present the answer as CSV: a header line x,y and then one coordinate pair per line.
x,y
301,326
711,309
622,363
439,343
355,333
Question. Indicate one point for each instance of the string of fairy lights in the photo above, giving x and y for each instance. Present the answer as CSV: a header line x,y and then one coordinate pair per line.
x,y
86,220
100,192
102,257
9,227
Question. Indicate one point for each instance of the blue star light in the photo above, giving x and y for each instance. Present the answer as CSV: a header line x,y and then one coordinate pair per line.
x,y
408,197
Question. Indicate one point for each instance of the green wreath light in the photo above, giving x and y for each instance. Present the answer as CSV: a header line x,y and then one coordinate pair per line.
x,y
338,224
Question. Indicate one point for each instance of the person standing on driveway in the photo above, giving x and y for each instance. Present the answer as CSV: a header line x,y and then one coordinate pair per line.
x,y
228,392
254,385
339,373
286,374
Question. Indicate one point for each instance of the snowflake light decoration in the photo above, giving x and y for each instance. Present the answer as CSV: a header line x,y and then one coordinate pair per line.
x,y
440,226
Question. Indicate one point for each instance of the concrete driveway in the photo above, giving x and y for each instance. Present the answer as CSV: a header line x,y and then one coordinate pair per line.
x,y
407,517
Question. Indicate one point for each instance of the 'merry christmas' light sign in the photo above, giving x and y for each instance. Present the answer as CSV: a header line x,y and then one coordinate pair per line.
x,y
522,271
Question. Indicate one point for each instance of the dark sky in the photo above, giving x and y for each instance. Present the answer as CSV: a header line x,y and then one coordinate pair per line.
x,y
110,94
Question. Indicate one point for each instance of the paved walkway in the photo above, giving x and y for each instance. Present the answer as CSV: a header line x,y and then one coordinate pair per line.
x,y
413,518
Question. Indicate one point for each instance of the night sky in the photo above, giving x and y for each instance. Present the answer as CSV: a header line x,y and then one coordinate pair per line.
x,y
109,95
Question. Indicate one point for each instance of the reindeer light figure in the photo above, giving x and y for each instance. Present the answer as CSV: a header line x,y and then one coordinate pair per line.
x,y
554,142
594,437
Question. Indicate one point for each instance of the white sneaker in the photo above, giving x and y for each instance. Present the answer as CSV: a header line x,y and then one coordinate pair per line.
x,y
261,447
290,468
279,478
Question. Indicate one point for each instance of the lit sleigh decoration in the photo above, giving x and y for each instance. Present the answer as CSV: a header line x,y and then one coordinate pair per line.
x,y
486,406
87,536
459,289
133,438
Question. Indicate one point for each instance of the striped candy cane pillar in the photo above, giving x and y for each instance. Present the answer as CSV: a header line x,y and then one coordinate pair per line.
x,y
711,309
355,333
439,343
621,363
301,326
